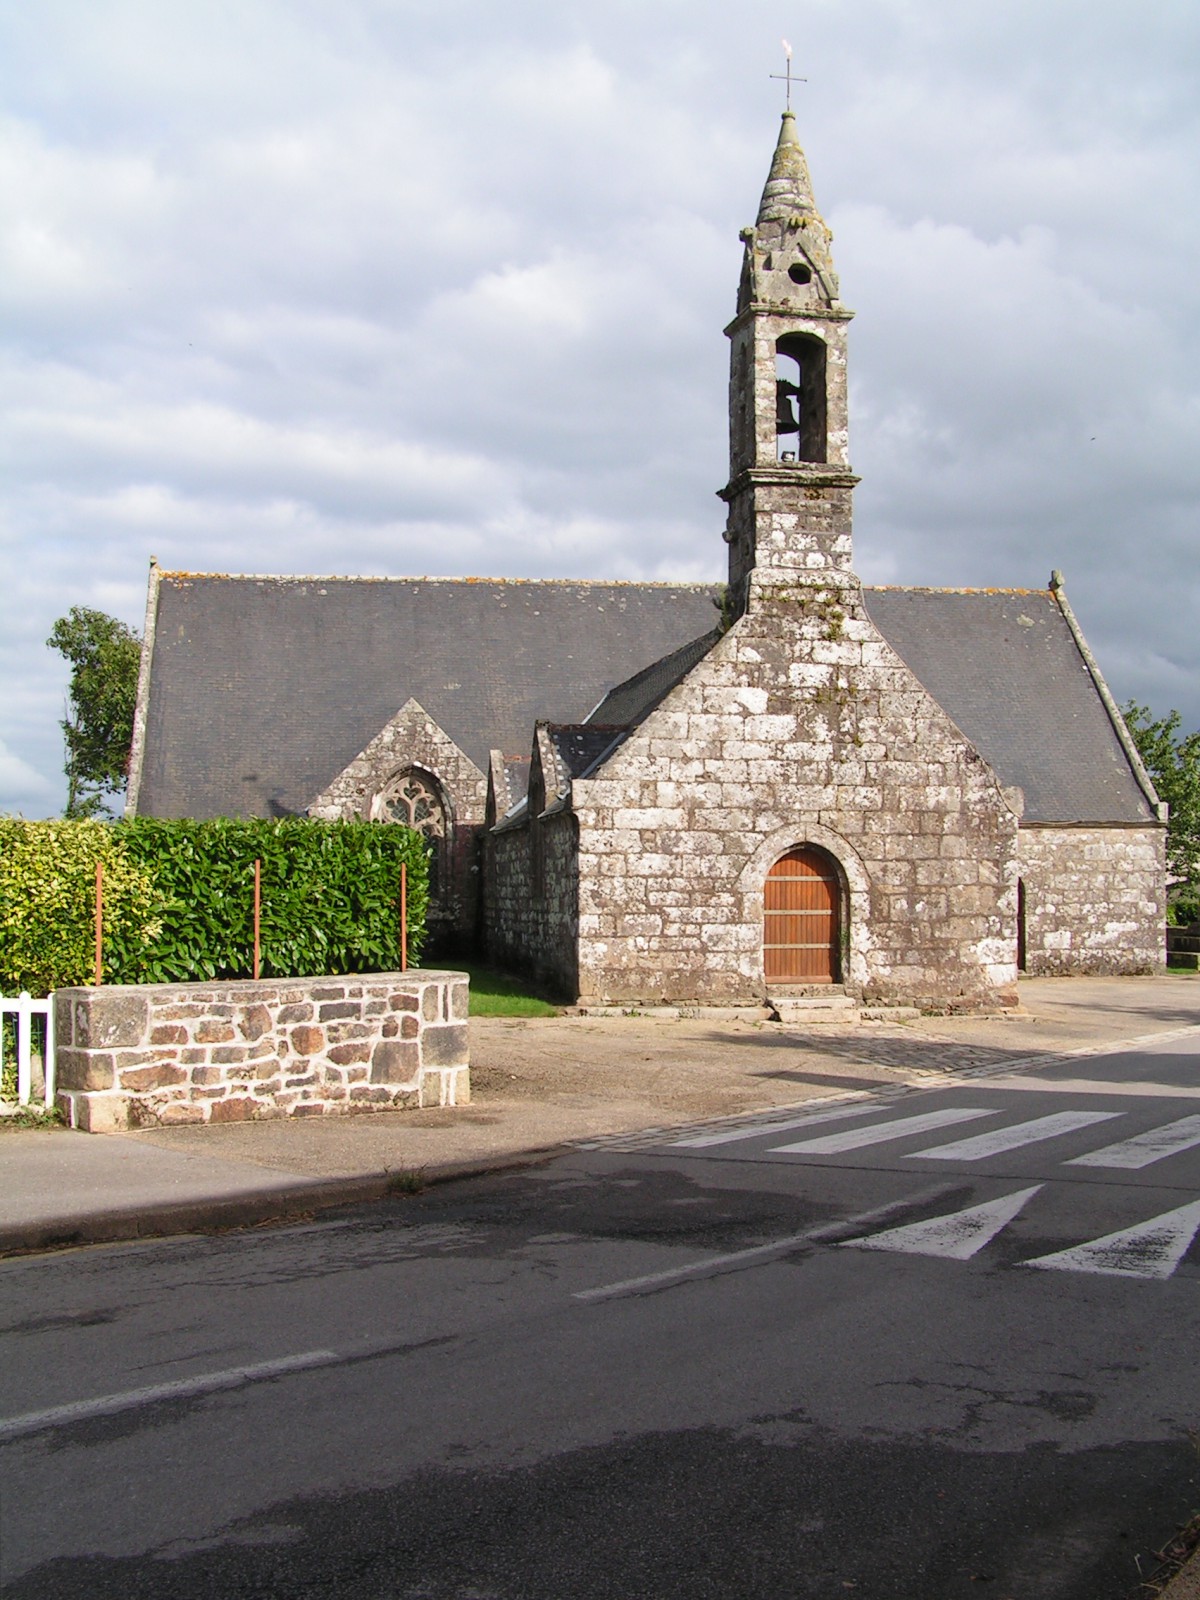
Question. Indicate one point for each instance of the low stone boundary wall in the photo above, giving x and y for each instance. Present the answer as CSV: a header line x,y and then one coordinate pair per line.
x,y
142,1055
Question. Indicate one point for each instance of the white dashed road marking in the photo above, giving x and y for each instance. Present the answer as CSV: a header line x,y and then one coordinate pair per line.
x,y
1144,1148
1013,1137
111,1405
881,1132
701,1141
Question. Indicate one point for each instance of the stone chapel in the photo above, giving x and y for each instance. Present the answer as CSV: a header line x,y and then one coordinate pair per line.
x,y
783,786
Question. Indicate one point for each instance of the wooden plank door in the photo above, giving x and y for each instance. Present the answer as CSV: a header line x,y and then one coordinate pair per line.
x,y
800,918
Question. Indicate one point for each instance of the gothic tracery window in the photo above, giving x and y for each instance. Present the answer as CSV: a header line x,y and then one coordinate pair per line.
x,y
414,800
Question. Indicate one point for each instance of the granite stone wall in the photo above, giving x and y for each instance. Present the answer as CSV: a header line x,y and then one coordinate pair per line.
x,y
802,726
1094,899
531,901
159,1054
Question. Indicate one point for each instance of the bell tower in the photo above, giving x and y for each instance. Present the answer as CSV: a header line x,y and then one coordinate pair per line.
x,y
790,484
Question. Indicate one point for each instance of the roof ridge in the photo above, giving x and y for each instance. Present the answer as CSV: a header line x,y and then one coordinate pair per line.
x,y
930,588
351,577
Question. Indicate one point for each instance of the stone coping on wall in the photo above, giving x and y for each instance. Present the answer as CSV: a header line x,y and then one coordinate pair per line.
x,y
144,1055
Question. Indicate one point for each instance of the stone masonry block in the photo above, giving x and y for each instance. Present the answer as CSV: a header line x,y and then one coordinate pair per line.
x,y
180,1112
255,1021
447,1045
108,1018
238,1108
343,1055
96,1113
85,1069
168,1033
160,1076
344,1032
396,1061
212,1031
296,1011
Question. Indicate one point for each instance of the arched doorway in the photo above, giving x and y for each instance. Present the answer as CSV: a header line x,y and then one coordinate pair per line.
x,y
802,918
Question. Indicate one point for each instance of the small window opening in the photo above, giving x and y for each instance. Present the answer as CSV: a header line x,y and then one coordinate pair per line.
x,y
1021,925
800,426
800,272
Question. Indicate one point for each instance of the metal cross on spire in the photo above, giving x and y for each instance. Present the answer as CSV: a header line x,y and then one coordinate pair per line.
x,y
786,77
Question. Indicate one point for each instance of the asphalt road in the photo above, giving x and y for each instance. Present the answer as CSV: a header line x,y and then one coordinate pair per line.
x,y
929,1346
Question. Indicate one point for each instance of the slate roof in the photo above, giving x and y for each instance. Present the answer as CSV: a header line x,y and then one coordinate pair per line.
x,y
634,699
263,689
1005,667
577,748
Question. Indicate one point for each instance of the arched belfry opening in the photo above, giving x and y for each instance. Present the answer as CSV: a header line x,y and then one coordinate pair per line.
x,y
802,918
801,423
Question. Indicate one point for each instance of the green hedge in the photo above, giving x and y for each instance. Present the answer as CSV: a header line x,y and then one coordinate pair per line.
x,y
179,899
47,901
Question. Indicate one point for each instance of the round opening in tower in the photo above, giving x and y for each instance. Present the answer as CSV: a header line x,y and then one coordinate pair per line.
x,y
800,415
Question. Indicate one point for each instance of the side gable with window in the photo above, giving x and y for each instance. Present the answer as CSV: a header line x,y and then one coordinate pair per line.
x,y
413,773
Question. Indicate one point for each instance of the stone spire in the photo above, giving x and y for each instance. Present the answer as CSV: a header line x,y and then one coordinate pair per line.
x,y
787,200
788,187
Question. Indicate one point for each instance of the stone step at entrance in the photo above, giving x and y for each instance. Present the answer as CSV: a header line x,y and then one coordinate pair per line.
x,y
800,1006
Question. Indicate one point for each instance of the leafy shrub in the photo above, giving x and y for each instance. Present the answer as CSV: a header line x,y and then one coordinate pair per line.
x,y
179,899
330,897
47,902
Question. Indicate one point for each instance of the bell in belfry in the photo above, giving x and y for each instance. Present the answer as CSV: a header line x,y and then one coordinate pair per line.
x,y
787,406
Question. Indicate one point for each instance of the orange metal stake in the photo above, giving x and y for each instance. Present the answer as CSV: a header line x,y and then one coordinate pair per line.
x,y
403,918
257,914
99,923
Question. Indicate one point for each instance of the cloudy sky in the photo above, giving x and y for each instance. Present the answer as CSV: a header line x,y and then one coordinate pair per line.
x,y
437,287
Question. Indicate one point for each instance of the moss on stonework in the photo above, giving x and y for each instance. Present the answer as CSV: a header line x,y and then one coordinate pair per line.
x,y
723,600
824,606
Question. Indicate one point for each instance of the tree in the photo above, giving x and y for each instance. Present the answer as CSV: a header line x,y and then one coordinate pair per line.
x,y
105,657
1173,761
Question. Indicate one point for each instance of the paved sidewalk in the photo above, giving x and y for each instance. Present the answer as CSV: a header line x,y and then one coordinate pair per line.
x,y
537,1085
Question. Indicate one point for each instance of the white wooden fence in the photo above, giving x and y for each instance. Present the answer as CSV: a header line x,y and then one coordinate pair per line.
x,y
24,1009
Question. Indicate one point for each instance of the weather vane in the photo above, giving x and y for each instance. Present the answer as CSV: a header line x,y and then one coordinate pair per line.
x,y
786,77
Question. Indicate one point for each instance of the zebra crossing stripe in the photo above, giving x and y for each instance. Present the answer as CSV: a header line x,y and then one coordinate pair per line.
x,y
1150,1250
958,1235
1144,1148
1012,1138
729,1135
899,1128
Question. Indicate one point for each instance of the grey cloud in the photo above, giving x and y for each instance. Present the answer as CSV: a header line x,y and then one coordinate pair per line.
x,y
403,287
